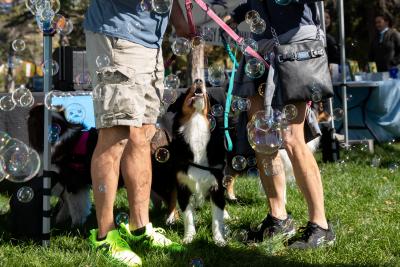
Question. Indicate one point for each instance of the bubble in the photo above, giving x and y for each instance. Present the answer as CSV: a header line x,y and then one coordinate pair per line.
x,y
241,104
393,167
252,16
65,28
18,45
25,194
283,2
161,6
4,139
258,27
163,110
102,61
50,100
261,89
239,163
54,133
3,173
122,218
207,33
254,68
349,98
354,44
181,46
50,66
248,42
45,14
290,112
272,168
212,122
217,110
171,82
83,78
23,97
197,41
144,6
75,113
316,96
227,180
7,103
251,161
102,188
338,114
161,155
392,142
216,75
253,172
169,96
376,161
263,134
134,27
196,262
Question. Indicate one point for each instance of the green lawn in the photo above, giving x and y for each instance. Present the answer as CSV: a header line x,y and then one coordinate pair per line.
x,y
363,203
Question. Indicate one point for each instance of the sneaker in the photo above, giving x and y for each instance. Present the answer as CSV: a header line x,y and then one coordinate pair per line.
x,y
114,248
272,226
151,238
313,236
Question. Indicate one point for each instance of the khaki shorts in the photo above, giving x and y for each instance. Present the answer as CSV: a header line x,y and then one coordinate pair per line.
x,y
132,95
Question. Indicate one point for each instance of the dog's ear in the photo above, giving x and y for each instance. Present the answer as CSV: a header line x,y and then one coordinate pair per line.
x,y
178,104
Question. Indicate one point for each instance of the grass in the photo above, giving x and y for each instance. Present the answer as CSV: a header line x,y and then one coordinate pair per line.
x,y
363,203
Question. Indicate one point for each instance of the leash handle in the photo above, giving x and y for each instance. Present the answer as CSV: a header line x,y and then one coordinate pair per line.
x,y
222,24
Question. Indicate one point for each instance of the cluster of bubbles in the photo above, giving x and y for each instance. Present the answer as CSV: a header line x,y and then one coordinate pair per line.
x,y
239,163
21,97
256,23
18,162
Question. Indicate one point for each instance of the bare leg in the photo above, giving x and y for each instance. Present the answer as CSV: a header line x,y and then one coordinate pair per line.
x,y
274,186
306,169
136,170
105,172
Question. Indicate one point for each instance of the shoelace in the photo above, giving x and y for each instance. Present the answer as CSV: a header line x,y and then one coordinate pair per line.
x,y
306,231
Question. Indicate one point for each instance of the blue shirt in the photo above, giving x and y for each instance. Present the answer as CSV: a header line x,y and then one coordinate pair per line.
x,y
281,18
124,19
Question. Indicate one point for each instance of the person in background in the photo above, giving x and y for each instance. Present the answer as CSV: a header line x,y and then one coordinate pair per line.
x,y
123,38
385,47
332,47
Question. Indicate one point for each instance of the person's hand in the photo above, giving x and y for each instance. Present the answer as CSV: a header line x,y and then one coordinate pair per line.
x,y
230,21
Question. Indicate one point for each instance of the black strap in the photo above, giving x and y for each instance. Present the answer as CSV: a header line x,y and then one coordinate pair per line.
x,y
204,167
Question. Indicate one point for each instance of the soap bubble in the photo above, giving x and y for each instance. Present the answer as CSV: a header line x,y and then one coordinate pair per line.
x,y
161,155
212,122
197,40
393,167
4,139
102,188
45,14
196,262
23,97
169,96
50,66
3,173
217,110
171,82
102,61
181,46
251,161
261,89
290,112
338,114
50,100
283,2
258,27
18,45
241,104
248,42
54,133
207,33
7,103
65,28
253,172
227,180
144,6
252,16
316,96
83,78
75,113
271,168
161,6
122,217
254,68
25,194
376,161
216,75
239,163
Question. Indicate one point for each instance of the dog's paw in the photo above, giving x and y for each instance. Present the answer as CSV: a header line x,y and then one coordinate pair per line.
x,y
171,220
187,239
219,241
231,197
226,215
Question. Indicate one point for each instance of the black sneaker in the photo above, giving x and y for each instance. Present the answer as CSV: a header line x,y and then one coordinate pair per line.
x,y
313,236
270,227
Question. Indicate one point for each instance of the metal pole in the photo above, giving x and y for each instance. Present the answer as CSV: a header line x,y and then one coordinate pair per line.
x,y
343,69
48,74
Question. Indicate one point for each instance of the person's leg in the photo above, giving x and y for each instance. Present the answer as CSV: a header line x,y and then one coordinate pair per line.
x,y
105,173
136,170
306,169
274,185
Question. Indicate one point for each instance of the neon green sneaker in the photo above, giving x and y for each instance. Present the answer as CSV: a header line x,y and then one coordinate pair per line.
x,y
114,248
151,238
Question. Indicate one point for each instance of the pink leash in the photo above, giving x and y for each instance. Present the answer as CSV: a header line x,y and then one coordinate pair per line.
x,y
221,23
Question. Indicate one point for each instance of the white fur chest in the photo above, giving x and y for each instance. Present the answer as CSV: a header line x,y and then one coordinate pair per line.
x,y
197,134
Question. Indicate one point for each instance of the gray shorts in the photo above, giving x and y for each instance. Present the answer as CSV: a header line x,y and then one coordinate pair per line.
x,y
132,95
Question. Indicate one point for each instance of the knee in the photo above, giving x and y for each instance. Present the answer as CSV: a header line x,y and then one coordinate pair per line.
x,y
138,138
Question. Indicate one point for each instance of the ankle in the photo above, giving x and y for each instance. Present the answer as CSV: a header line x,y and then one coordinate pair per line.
x,y
279,215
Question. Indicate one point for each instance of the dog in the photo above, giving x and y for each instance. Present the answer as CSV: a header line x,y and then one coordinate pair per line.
x,y
71,152
196,165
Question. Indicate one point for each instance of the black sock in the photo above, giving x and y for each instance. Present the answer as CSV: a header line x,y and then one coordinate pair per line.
x,y
139,231
101,239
